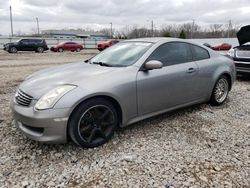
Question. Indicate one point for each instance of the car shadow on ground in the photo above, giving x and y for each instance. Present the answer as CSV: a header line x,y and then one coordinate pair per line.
x,y
243,78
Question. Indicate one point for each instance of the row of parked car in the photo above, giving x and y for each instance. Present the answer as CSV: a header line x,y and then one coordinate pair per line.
x,y
240,54
40,45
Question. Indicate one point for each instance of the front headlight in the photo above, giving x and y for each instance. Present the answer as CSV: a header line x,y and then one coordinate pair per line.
x,y
48,100
231,53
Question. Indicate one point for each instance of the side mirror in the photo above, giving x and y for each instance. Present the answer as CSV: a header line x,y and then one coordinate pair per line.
x,y
153,64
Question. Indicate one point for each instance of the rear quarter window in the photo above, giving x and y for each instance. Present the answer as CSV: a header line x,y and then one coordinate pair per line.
x,y
199,53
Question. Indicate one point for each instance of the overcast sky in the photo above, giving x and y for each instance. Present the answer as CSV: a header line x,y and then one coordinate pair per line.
x,y
56,14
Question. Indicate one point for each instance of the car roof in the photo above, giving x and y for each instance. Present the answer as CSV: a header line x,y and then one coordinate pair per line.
x,y
155,39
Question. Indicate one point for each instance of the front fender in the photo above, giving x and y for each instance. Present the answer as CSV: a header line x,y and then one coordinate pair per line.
x,y
75,97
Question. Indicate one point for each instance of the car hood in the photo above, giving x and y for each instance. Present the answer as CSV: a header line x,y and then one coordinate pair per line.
x,y
10,43
243,35
42,81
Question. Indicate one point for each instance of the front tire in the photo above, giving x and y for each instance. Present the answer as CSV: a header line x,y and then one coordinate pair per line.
x,y
93,123
220,91
78,49
13,50
60,50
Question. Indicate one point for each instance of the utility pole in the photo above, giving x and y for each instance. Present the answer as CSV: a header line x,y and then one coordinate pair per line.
x,y
152,25
11,23
229,28
37,23
192,29
111,30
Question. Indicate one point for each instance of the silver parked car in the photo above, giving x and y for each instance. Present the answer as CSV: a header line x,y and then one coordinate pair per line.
x,y
128,82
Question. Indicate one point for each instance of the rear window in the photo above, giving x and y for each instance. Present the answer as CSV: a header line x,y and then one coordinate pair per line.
x,y
35,40
199,53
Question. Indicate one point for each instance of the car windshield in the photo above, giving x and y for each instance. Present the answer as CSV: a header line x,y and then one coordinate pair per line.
x,y
122,54
17,41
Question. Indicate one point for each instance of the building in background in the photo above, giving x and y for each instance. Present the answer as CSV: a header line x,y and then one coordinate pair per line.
x,y
73,33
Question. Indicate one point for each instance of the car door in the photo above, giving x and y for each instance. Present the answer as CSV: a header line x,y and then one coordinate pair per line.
x,y
23,45
35,44
206,67
171,86
74,46
69,46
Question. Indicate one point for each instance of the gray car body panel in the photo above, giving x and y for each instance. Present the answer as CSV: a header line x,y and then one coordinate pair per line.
x,y
140,94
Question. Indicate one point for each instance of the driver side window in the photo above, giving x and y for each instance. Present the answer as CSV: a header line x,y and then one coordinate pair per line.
x,y
24,41
172,53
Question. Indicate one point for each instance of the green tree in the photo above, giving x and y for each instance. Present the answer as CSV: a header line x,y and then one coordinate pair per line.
x,y
166,34
182,34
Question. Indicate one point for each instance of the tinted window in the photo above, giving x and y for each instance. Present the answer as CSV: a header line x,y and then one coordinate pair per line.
x,y
31,41
24,40
172,53
199,53
37,40
114,41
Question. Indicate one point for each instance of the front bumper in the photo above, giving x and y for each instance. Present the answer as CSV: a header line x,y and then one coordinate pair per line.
x,y
48,126
53,49
242,67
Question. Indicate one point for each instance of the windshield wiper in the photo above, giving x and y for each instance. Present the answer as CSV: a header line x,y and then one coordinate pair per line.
x,y
102,64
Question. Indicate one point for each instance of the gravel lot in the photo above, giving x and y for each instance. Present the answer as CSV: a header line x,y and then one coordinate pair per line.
x,y
200,146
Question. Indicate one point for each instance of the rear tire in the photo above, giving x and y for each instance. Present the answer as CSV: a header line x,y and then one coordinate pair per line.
x,y
40,50
220,91
93,123
78,49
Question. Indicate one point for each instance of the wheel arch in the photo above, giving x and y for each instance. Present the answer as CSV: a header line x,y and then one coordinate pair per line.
x,y
225,73
229,79
106,97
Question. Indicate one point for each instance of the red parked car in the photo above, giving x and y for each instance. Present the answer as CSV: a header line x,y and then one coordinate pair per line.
x,y
67,46
105,45
223,46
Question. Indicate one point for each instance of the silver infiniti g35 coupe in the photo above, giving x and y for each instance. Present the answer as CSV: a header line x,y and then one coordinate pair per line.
x,y
128,82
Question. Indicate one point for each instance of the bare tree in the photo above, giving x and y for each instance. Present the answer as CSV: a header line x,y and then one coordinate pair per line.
x,y
216,30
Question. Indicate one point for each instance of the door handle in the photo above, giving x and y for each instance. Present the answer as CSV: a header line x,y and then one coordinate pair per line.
x,y
191,70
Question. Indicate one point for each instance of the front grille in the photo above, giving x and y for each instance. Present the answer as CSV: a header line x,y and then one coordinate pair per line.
x,y
23,98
